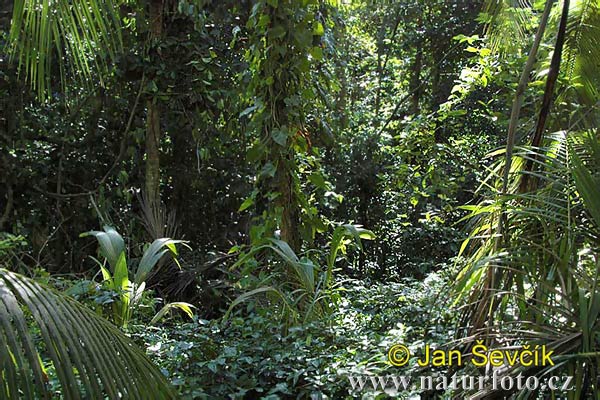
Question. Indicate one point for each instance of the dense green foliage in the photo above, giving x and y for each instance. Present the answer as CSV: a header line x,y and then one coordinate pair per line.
x,y
250,356
267,195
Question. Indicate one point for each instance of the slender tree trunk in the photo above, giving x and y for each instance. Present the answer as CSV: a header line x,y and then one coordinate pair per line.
x,y
383,57
153,136
380,45
516,108
290,215
182,140
153,130
342,99
342,73
548,92
415,80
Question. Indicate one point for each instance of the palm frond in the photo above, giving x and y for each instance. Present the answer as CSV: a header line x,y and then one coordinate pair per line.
x,y
77,36
303,289
582,49
508,23
153,254
111,244
91,357
527,218
586,171
158,220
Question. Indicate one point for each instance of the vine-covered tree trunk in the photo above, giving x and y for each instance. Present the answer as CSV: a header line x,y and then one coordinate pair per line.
x,y
284,38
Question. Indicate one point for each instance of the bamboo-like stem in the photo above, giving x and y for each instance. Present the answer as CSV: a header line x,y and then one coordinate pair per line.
x,y
516,108
538,135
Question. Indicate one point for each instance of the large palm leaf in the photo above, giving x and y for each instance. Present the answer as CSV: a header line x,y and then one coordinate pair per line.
x,y
76,35
91,357
585,148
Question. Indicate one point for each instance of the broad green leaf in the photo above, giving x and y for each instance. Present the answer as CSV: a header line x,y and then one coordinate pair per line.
x,y
185,307
111,244
318,29
316,53
248,110
246,204
318,180
279,136
152,255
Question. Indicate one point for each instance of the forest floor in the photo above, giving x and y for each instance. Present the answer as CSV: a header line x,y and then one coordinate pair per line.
x,y
247,357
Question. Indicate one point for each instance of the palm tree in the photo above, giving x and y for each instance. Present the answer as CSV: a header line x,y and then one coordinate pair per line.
x,y
532,265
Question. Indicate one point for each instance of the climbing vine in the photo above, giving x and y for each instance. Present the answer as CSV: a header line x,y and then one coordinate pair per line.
x,y
285,44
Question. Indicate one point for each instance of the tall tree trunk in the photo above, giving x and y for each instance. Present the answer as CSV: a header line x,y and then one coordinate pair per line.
x,y
153,131
383,56
285,159
182,139
548,93
380,49
342,72
415,79
342,100
153,136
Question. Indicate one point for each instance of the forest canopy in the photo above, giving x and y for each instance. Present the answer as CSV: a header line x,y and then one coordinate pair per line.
x,y
299,199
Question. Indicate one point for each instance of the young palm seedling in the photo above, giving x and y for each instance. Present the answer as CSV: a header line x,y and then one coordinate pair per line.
x,y
116,277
